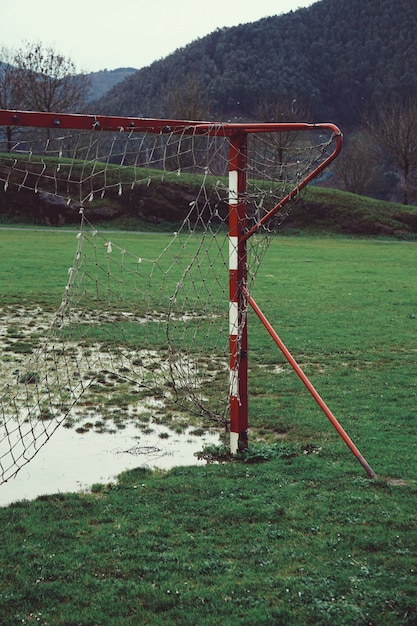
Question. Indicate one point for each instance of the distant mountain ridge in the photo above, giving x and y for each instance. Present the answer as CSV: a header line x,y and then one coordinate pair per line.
x,y
103,80
338,56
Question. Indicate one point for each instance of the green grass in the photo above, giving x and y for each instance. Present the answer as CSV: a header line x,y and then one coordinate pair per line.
x,y
302,537
35,262
336,211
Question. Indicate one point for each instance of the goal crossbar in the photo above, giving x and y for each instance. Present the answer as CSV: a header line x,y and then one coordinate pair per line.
x,y
118,123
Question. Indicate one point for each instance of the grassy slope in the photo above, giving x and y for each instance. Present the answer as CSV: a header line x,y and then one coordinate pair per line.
x,y
318,210
334,211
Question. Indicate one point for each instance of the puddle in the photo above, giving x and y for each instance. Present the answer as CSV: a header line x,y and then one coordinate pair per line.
x,y
71,462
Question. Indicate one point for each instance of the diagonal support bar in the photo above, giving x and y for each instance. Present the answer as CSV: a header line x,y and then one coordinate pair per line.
x,y
337,138
309,386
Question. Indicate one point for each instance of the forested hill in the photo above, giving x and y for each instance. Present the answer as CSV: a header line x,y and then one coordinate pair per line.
x,y
104,80
337,56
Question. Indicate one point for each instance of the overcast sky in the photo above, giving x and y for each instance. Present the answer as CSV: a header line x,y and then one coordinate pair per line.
x,y
97,34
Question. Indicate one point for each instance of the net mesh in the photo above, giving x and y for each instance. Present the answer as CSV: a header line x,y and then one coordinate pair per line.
x,y
143,330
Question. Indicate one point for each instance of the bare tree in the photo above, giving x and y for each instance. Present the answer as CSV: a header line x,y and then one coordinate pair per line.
x,y
10,89
355,168
51,81
393,130
285,109
189,101
9,92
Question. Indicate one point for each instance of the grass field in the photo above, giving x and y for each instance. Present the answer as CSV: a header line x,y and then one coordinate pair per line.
x,y
303,537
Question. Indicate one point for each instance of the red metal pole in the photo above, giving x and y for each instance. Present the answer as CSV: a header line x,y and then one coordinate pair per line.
x,y
309,386
238,332
40,119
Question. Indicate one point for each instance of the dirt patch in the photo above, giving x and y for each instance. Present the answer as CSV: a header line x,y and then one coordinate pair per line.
x,y
397,482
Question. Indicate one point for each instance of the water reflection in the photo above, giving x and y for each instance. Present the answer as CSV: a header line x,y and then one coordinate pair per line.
x,y
71,462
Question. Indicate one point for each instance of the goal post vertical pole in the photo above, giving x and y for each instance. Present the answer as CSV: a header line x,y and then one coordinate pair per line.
x,y
238,331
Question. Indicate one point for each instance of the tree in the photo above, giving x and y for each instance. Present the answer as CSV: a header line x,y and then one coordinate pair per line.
x,y
48,81
9,93
189,101
392,129
285,109
355,168
10,88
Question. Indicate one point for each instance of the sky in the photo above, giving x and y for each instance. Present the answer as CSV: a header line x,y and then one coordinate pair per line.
x,y
98,35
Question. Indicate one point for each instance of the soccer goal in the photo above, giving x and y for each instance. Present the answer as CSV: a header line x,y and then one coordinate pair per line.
x,y
162,324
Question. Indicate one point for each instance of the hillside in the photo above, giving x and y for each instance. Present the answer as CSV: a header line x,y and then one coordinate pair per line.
x,y
104,80
163,206
338,56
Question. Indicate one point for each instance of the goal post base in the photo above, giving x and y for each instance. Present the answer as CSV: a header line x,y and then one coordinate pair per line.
x,y
234,443
238,442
